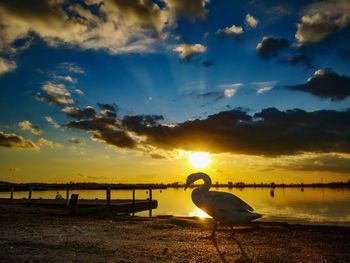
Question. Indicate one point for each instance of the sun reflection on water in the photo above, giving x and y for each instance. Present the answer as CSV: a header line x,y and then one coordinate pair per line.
x,y
199,213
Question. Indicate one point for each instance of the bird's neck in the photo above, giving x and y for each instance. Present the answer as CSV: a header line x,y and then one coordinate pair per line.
x,y
207,183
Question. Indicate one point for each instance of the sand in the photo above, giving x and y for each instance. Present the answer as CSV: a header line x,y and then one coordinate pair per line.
x,y
30,234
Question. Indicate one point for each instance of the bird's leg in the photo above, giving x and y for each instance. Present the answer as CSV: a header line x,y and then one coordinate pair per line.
x,y
214,229
232,232
256,225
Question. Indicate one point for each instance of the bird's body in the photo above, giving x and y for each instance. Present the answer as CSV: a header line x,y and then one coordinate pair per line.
x,y
223,207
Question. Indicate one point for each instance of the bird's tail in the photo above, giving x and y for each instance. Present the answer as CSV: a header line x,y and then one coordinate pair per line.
x,y
255,216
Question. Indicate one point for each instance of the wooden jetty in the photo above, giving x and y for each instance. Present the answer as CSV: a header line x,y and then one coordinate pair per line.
x,y
74,205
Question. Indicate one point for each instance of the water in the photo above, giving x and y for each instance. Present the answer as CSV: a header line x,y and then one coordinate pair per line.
x,y
329,206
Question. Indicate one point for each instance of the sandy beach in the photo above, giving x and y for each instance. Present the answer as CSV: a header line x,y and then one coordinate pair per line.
x,y
30,234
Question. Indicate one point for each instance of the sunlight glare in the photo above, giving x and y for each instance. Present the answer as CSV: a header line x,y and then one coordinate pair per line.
x,y
199,160
199,213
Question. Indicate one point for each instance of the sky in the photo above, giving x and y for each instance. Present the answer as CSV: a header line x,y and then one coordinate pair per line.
x,y
128,91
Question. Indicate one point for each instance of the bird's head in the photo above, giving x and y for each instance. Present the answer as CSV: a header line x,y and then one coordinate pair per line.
x,y
193,177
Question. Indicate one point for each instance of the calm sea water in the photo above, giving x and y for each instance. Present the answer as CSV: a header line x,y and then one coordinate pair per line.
x,y
312,205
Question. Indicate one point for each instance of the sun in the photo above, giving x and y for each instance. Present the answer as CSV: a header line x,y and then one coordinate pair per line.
x,y
199,213
199,160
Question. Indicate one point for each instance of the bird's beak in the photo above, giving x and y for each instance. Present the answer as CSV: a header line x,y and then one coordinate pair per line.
x,y
185,187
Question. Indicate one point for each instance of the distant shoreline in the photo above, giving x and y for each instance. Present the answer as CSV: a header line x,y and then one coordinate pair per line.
x,y
7,186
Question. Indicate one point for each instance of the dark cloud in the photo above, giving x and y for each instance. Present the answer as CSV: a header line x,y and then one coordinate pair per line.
x,y
270,132
157,156
137,123
213,95
12,140
270,47
117,138
208,63
108,110
87,113
326,84
109,107
297,60
191,9
323,163
108,114
75,140
105,129
96,124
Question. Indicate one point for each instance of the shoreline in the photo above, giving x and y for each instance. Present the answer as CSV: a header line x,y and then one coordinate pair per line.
x,y
8,189
43,234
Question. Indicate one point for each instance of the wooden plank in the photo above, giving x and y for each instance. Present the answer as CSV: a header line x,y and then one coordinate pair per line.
x,y
133,201
108,196
30,195
73,204
86,206
150,202
67,197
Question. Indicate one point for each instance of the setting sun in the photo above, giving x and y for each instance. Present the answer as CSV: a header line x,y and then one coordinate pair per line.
x,y
199,160
199,213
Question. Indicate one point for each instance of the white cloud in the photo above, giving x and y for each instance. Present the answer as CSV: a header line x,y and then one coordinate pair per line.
x,y
28,126
72,67
6,65
322,19
251,21
229,92
263,89
116,26
186,51
232,85
47,143
233,30
51,121
265,83
66,78
55,94
56,89
79,92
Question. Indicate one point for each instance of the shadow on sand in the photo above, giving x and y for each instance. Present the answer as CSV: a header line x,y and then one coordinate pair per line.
x,y
243,258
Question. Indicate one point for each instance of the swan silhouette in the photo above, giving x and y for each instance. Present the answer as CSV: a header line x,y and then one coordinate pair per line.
x,y
223,207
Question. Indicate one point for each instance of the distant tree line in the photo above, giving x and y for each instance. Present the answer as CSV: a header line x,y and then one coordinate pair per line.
x,y
6,186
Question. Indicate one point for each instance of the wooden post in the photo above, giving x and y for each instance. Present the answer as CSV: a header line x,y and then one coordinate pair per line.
x,y
30,194
11,195
67,197
133,201
73,204
150,202
108,196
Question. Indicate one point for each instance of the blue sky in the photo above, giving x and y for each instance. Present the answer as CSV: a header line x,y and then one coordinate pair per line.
x,y
171,58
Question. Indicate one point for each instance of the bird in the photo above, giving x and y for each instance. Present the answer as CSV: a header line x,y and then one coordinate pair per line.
x,y
223,207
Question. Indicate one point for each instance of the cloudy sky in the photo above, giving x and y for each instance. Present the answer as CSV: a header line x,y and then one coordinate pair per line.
x,y
125,90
